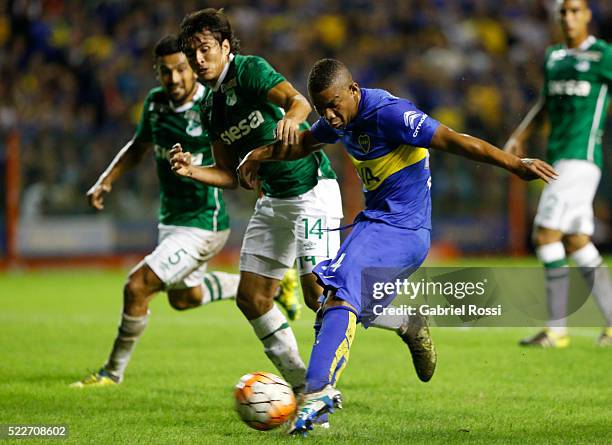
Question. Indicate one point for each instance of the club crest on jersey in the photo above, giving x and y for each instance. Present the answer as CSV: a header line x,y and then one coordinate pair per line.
x,y
364,142
194,125
582,66
231,98
194,129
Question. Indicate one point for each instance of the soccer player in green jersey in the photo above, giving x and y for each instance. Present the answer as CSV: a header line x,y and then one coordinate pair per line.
x,y
193,223
251,105
574,98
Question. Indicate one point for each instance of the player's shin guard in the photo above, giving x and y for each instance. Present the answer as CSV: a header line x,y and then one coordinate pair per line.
x,y
595,273
219,286
557,284
330,352
280,345
130,330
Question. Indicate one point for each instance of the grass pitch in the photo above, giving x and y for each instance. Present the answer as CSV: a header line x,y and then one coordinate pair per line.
x,y
55,326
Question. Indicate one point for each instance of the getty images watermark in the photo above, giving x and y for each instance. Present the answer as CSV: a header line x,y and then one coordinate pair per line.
x,y
449,289
478,296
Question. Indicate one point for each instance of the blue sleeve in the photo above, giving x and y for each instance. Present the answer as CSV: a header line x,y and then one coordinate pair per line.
x,y
323,132
403,123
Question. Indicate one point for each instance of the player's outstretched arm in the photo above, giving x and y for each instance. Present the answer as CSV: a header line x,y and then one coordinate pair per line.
x,y
129,156
221,174
297,108
445,139
516,143
249,167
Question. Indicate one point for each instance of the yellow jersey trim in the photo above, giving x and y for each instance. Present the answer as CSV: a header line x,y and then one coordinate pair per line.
x,y
374,171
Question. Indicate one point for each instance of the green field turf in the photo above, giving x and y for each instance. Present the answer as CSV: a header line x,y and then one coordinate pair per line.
x,y
57,325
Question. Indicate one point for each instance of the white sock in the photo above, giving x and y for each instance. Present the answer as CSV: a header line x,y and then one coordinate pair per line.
x,y
130,330
595,273
551,253
389,322
280,345
559,331
557,284
218,286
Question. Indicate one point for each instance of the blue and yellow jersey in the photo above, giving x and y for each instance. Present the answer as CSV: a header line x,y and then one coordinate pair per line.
x,y
387,142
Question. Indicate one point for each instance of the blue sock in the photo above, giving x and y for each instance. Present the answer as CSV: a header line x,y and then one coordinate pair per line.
x,y
330,352
317,323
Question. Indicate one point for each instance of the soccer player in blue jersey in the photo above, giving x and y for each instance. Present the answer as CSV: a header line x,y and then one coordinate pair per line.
x,y
387,139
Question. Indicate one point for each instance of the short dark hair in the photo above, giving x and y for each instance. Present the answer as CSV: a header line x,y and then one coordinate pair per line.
x,y
166,46
210,19
324,73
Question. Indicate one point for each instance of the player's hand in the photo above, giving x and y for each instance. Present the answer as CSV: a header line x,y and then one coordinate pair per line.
x,y
95,194
287,131
529,169
515,147
247,173
180,161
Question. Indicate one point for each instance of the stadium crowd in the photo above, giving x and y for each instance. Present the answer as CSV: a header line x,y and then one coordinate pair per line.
x,y
74,75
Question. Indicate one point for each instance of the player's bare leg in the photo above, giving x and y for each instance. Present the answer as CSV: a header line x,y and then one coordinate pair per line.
x,y
216,286
552,254
255,299
586,256
311,290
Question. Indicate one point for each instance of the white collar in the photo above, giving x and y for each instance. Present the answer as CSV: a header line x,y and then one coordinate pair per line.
x,y
186,106
223,73
586,44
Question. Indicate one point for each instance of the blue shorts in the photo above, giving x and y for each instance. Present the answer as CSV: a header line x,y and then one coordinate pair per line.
x,y
374,252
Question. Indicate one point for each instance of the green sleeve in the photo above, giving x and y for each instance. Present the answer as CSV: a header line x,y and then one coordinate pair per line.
x,y
143,130
258,77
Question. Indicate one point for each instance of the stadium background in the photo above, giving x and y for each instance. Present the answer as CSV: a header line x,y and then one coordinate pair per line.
x,y
74,75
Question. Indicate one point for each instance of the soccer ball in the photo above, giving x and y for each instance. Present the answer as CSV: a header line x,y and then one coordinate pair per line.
x,y
264,400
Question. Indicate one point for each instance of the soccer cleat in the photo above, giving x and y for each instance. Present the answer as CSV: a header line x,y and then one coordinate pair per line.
x,y
415,333
97,379
322,422
287,295
546,339
314,408
605,338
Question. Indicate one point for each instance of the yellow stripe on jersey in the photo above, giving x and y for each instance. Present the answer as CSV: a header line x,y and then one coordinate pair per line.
x,y
343,350
374,171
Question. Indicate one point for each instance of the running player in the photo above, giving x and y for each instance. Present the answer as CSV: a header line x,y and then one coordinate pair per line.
x,y
385,137
574,98
193,226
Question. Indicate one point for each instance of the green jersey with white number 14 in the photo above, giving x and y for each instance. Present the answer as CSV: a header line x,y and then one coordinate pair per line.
x,y
576,92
